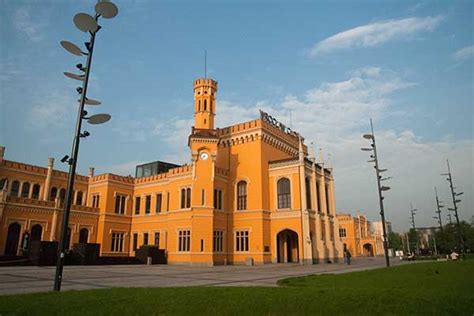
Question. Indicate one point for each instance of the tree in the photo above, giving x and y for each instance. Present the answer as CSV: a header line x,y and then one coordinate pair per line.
x,y
395,241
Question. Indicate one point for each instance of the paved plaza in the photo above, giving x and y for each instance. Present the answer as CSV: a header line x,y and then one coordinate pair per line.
x,y
40,279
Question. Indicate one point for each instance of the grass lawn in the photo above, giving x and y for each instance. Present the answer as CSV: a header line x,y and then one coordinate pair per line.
x,y
419,289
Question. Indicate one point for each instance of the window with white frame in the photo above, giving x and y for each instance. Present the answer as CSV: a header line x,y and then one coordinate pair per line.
x,y
218,241
284,193
95,200
147,204
242,241
157,239
120,202
186,198
342,232
184,240
242,195
117,242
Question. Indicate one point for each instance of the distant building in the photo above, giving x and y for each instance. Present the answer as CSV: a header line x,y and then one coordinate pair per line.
x,y
378,228
357,236
426,237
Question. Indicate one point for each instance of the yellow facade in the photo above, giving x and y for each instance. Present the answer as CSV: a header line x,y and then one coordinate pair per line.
x,y
249,193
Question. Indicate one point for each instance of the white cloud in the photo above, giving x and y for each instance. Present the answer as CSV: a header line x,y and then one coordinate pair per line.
x,y
464,53
376,33
32,27
52,111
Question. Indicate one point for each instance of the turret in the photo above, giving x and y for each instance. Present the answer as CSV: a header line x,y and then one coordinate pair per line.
x,y
204,103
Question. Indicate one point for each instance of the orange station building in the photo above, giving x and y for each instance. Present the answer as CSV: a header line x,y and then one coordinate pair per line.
x,y
249,193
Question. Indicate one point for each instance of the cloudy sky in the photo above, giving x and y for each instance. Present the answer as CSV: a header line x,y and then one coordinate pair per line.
x,y
333,65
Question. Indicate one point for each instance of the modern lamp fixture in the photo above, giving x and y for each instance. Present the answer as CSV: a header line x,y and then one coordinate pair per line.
x,y
89,24
373,149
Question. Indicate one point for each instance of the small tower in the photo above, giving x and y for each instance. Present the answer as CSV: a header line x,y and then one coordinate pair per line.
x,y
204,103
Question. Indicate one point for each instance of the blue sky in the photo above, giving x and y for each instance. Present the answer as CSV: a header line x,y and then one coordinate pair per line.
x,y
407,64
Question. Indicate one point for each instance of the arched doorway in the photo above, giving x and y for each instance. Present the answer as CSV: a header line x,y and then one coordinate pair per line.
x,y
287,246
368,250
83,236
13,238
36,232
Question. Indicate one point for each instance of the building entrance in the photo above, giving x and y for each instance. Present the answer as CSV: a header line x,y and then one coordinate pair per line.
x,y
368,250
287,246
13,238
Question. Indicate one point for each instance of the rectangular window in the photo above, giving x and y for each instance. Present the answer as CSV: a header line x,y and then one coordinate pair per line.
x,y
218,199
308,194
242,241
186,198
184,240
203,197
95,200
318,195
147,204
342,232
145,239
120,201
157,239
218,241
137,205
117,242
158,203
135,241
202,245
167,201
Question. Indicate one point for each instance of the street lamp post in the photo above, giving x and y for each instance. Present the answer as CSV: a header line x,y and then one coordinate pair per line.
x,y
380,187
412,213
439,206
454,196
85,23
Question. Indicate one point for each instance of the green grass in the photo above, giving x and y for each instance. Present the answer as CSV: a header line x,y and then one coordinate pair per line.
x,y
436,288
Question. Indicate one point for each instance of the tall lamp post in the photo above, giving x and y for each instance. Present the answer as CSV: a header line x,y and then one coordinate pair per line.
x,y
454,196
412,217
85,23
380,187
439,206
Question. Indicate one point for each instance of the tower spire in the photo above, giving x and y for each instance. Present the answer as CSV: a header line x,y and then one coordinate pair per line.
x,y
205,63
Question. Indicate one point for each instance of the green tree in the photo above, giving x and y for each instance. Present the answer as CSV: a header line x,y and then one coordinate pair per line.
x,y
395,241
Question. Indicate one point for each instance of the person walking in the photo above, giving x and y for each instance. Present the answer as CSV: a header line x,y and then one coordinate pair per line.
x,y
348,257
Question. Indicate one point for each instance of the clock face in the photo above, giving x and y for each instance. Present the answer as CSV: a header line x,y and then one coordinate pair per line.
x,y
204,156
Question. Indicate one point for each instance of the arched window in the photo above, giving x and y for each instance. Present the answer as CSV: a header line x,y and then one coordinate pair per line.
x,y
36,192
83,236
79,198
284,195
205,105
36,232
53,193
199,103
15,188
62,196
25,190
188,197
183,198
242,195
308,193
3,183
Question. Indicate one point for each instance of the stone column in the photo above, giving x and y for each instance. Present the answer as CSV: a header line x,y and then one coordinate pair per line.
x,y
49,177
54,225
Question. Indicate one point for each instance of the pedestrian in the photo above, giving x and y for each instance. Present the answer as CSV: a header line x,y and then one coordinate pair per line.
x,y
348,257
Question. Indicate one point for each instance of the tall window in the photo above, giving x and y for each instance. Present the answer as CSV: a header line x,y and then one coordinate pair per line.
x,y
159,197
79,198
284,194
318,195
3,183
323,230
145,239
167,201
62,196
218,199
184,240
242,195
242,241
331,231
342,232
53,193
218,241
328,210
25,190
120,202
203,196
308,193
137,205
117,242
186,198
36,192
135,241
147,204
95,200
15,188
157,239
